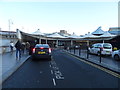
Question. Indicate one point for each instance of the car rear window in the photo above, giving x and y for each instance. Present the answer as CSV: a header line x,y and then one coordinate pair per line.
x,y
42,45
107,46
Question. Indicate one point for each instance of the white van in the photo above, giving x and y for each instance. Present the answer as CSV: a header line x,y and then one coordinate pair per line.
x,y
106,49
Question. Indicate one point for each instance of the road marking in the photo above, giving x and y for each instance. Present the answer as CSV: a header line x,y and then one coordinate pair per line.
x,y
40,72
51,71
99,67
55,70
54,82
58,75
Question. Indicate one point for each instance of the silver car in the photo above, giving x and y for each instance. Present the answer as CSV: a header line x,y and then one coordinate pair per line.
x,y
116,54
106,49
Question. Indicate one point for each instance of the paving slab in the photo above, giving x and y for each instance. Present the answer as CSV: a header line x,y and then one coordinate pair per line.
x,y
9,64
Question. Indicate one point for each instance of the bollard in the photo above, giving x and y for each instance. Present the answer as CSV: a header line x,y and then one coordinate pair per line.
x,y
87,53
79,51
74,49
100,54
70,49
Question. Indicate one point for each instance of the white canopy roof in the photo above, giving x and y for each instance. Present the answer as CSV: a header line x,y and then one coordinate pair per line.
x,y
99,31
56,35
37,32
73,36
89,35
107,34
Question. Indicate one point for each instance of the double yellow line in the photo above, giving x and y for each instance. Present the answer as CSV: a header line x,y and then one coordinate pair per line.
x,y
99,67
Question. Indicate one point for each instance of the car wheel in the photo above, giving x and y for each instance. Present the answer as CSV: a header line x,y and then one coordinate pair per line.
x,y
116,57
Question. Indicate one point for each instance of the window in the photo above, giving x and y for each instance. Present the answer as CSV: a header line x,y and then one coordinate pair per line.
x,y
96,46
107,46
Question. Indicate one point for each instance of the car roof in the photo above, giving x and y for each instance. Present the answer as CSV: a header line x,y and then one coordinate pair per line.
x,y
102,43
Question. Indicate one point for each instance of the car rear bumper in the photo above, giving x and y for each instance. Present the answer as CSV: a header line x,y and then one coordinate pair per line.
x,y
106,52
41,56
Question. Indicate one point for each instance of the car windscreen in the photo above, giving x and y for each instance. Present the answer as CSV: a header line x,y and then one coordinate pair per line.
x,y
45,46
107,46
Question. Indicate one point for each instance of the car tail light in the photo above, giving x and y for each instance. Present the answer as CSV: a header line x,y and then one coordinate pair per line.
x,y
33,50
101,48
41,47
49,50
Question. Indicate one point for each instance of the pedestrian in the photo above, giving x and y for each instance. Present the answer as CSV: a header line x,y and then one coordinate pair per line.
x,y
11,46
68,48
18,47
23,47
27,46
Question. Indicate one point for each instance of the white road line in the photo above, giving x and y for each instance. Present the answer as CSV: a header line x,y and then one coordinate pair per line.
x,y
54,82
51,71
50,65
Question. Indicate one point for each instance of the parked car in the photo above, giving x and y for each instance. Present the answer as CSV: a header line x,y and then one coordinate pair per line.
x,y
106,49
116,54
41,51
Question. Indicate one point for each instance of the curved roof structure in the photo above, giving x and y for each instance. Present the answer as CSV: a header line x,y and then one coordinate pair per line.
x,y
89,35
73,36
37,32
56,35
107,34
99,31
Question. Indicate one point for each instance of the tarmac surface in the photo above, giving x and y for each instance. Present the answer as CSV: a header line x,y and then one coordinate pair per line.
x,y
62,71
10,64
106,62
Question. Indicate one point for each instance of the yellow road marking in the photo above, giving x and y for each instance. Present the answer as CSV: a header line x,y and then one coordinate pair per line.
x,y
99,67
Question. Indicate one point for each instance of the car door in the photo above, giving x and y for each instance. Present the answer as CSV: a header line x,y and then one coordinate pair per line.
x,y
119,53
95,50
92,49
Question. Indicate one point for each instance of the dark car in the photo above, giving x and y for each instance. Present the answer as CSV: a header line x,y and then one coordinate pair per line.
x,y
41,51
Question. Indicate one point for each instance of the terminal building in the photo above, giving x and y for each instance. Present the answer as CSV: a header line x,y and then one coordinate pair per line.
x,y
114,30
5,38
116,40
60,39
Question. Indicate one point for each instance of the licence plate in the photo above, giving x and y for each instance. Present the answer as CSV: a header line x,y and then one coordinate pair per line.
x,y
108,52
41,52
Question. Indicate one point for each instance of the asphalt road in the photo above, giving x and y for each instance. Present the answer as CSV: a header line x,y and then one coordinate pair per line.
x,y
107,60
64,71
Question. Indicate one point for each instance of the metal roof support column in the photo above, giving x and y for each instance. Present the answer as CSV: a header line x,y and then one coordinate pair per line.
x,y
71,42
57,43
46,41
39,40
88,42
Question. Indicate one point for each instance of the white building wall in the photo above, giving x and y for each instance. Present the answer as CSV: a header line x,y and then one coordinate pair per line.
x,y
5,44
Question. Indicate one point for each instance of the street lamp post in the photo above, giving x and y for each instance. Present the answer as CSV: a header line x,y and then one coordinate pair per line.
x,y
9,25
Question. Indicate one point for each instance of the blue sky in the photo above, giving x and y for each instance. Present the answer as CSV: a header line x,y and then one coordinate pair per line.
x,y
78,17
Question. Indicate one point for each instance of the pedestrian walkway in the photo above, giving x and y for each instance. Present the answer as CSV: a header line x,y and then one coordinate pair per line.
x,y
10,63
105,62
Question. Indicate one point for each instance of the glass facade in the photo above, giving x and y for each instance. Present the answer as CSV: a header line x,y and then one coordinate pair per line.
x,y
115,31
